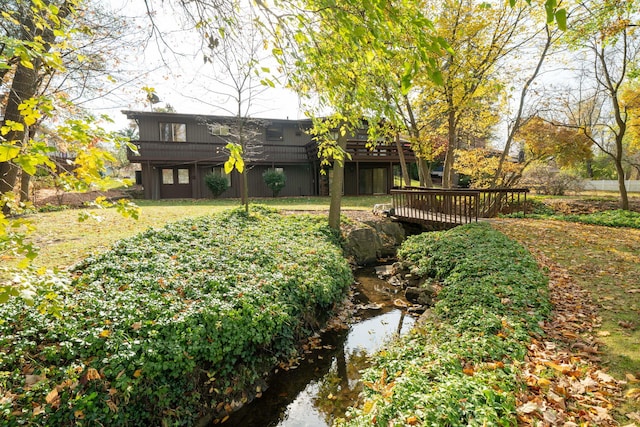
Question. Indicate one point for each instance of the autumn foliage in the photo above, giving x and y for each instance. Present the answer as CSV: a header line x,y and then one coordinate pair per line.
x,y
543,140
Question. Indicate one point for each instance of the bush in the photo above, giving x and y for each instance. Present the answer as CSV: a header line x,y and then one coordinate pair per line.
x,y
460,367
217,184
275,180
171,323
548,180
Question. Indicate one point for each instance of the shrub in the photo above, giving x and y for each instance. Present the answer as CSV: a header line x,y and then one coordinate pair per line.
x,y
217,184
547,180
275,180
460,367
171,323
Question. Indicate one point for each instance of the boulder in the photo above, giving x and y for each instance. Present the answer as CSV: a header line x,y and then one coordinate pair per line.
x,y
368,241
422,296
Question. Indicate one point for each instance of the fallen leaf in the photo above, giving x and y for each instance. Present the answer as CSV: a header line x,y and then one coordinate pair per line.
x,y
92,374
633,393
631,378
30,380
52,397
604,333
604,377
527,408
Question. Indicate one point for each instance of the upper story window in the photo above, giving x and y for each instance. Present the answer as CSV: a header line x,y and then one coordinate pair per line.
x,y
274,133
173,132
218,129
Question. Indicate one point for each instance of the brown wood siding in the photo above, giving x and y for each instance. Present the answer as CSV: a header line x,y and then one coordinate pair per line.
x,y
300,181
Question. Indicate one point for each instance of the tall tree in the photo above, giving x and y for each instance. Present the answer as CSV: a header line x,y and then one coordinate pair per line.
x,y
548,37
481,36
608,29
32,32
237,54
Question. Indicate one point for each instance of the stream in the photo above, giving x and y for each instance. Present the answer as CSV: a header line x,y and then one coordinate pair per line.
x,y
327,381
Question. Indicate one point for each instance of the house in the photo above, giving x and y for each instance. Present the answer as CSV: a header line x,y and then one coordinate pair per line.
x,y
176,151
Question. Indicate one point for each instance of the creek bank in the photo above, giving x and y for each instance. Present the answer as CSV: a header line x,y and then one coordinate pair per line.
x,y
325,380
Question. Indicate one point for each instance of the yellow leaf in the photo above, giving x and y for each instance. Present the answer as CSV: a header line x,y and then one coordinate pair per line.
x,y
633,393
26,63
137,373
78,414
368,406
543,382
8,152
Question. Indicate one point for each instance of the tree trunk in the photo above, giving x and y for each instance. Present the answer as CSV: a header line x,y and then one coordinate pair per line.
x,y
25,180
447,175
335,189
245,190
403,162
518,122
624,197
23,87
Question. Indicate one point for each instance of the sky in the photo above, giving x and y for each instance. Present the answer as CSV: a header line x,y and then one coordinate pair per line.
x,y
174,67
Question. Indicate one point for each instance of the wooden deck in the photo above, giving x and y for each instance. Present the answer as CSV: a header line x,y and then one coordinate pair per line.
x,y
439,209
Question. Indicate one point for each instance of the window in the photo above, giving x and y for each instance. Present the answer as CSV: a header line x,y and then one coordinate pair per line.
x,y
173,132
274,133
167,176
183,176
218,129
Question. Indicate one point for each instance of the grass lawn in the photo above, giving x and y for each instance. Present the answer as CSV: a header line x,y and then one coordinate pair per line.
x,y
606,262
63,240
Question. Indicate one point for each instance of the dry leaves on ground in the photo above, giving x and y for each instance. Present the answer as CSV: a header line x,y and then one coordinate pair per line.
x,y
565,386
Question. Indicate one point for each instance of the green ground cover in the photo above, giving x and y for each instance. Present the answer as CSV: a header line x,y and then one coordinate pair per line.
x,y
459,367
172,322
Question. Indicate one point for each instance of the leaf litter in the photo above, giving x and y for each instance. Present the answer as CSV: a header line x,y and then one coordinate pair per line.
x,y
566,384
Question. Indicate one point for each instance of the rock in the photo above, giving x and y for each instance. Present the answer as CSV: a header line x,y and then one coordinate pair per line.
x,y
371,240
362,244
384,271
422,296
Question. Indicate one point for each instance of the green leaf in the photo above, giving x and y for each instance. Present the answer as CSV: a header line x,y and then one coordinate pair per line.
x,y
561,19
8,152
550,6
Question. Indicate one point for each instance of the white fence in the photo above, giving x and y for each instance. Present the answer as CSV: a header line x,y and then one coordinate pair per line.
x,y
611,185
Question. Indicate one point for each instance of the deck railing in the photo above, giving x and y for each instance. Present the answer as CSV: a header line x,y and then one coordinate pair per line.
x,y
446,208
494,201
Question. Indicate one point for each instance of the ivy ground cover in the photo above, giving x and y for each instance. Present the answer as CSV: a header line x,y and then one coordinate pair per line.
x,y
171,323
459,368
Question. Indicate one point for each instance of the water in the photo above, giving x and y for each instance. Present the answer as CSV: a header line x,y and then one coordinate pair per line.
x,y
327,382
